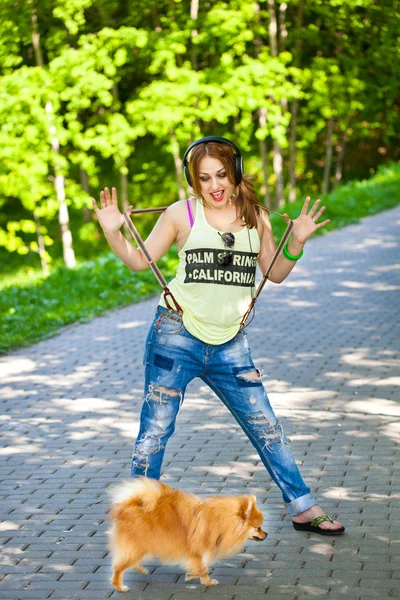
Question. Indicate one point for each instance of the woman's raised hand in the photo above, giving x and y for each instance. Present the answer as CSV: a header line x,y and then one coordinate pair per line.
x,y
306,223
110,217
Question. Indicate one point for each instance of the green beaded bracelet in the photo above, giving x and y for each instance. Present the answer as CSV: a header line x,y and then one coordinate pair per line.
x,y
290,256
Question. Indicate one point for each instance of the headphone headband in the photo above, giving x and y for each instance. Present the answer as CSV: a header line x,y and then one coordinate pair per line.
x,y
239,172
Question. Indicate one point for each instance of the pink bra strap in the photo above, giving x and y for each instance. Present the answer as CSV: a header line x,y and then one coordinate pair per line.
x,y
190,213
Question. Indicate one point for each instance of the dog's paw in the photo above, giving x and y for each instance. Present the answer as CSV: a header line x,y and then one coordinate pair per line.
x,y
123,588
119,586
142,571
208,582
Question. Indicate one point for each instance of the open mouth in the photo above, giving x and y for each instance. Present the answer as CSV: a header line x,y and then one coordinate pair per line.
x,y
218,195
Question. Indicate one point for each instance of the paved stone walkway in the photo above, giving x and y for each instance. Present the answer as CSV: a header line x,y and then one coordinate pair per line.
x,y
327,339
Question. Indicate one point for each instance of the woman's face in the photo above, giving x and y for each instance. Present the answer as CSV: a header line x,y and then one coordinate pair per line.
x,y
215,186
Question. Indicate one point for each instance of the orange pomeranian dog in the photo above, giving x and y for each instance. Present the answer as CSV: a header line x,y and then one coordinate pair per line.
x,y
152,519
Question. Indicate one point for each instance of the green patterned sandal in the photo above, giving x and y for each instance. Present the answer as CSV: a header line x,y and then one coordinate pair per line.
x,y
313,526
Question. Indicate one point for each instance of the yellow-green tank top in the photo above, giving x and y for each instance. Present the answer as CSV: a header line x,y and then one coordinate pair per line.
x,y
214,297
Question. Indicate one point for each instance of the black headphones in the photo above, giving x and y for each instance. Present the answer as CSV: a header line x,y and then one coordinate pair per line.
x,y
239,171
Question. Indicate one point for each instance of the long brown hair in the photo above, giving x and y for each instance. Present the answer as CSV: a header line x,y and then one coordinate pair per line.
x,y
246,200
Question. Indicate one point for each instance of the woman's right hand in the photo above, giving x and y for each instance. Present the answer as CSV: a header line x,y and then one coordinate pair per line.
x,y
110,217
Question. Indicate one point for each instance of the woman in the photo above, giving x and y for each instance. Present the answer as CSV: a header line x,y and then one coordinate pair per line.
x,y
221,233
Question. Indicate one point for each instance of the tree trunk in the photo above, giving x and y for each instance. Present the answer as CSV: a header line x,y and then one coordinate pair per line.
x,y
124,186
194,12
294,111
339,160
278,157
122,167
282,26
272,28
262,117
292,151
156,19
178,166
257,39
41,244
278,170
37,49
121,162
328,157
84,177
63,216
59,181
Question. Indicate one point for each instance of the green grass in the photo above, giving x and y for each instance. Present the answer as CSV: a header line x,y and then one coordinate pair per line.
x,y
34,307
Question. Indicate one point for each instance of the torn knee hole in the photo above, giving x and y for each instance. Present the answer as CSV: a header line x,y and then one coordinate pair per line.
x,y
149,444
259,420
164,390
248,378
252,375
272,435
158,393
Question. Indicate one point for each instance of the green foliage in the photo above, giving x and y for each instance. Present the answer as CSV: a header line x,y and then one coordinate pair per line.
x,y
33,307
121,88
72,13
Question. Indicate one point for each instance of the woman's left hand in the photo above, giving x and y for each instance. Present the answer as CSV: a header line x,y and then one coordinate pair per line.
x,y
306,223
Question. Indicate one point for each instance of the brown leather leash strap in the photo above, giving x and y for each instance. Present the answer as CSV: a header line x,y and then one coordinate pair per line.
x,y
153,265
263,281
139,211
161,279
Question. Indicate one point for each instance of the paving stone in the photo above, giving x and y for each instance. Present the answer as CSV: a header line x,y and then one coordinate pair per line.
x,y
70,413
25,594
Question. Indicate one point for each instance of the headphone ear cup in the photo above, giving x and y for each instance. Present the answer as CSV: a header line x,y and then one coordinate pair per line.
x,y
187,175
238,169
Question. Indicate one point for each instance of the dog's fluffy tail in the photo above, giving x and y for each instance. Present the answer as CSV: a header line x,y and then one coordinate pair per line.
x,y
140,492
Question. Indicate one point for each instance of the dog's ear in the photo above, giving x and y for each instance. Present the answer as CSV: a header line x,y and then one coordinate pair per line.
x,y
247,504
251,506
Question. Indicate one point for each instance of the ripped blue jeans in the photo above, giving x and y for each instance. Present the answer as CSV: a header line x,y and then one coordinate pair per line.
x,y
173,357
